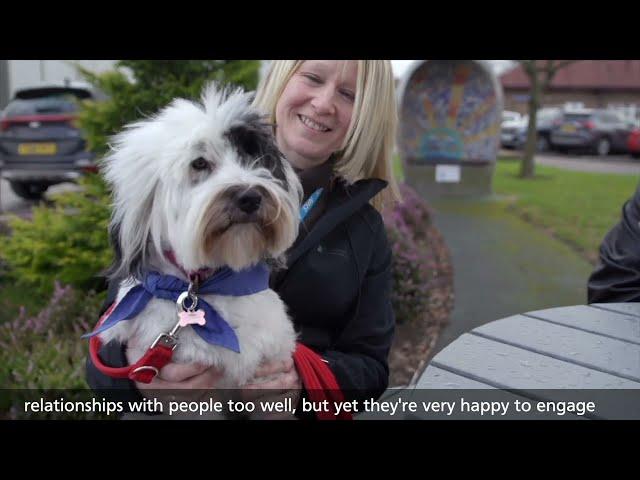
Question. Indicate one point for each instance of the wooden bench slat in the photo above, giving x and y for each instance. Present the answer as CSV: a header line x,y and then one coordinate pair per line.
x,y
631,308
568,344
506,366
615,325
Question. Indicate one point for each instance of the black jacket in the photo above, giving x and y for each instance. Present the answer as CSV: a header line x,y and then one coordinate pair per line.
x,y
617,277
337,287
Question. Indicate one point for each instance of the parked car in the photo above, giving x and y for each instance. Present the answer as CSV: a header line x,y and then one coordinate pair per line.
x,y
40,142
512,124
545,119
599,131
633,144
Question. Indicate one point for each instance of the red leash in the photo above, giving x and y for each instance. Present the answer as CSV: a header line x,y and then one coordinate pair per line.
x,y
319,382
317,378
146,368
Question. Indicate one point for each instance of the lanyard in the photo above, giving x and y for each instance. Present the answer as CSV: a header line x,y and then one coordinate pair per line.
x,y
309,204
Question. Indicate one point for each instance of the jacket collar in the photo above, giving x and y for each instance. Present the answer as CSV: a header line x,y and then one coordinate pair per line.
x,y
344,200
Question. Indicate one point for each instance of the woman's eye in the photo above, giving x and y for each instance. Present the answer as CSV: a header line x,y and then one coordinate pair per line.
x,y
200,164
348,95
313,78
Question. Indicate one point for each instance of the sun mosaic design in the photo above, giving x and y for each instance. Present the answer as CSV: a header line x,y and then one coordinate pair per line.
x,y
450,112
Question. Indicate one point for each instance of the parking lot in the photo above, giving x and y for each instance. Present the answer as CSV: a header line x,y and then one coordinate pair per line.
x,y
11,203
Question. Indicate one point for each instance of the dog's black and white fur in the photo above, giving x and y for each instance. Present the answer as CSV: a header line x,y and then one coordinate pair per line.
x,y
206,181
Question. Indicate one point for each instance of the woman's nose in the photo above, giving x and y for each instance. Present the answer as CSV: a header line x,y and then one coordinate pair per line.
x,y
323,101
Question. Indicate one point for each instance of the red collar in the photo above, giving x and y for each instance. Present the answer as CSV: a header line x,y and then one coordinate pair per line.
x,y
201,275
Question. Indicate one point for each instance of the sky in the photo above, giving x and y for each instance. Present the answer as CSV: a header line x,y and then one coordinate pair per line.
x,y
400,66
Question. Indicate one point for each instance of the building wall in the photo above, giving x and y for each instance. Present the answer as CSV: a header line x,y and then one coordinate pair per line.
x,y
517,100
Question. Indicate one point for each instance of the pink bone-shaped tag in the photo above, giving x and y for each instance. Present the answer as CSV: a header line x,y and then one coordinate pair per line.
x,y
188,318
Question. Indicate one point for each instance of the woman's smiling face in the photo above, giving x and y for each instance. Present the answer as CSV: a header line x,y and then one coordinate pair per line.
x,y
314,111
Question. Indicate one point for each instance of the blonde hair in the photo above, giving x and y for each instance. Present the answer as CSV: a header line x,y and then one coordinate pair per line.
x,y
367,151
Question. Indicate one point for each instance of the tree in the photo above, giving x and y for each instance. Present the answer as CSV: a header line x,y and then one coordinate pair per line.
x,y
138,88
540,74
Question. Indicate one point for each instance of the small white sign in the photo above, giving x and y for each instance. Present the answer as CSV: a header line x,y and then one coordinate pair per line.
x,y
448,173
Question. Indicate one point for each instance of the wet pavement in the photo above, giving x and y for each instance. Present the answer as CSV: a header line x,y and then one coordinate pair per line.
x,y
502,265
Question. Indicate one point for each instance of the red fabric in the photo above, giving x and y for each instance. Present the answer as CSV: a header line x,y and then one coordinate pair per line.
x,y
156,357
319,382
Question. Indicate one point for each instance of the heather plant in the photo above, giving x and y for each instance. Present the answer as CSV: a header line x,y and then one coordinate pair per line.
x,y
420,262
44,353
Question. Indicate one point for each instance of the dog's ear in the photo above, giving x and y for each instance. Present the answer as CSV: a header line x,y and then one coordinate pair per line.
x,y
131,169
120,269
254,141
114,239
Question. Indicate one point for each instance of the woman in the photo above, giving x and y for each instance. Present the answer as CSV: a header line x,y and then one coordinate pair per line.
x,y
335,122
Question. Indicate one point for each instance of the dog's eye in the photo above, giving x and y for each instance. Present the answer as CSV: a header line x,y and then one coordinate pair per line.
x,y
200,164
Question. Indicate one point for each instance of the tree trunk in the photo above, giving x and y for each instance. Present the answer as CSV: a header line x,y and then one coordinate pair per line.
x,y
528,165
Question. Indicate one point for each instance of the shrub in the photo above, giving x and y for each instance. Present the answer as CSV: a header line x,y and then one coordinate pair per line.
x,y
421,267
67,242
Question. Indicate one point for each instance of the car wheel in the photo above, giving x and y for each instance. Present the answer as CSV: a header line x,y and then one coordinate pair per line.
x,y
635,154
28,191
542,144
603,147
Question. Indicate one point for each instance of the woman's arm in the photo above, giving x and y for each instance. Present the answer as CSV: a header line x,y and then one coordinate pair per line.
x,y
359,355
617,277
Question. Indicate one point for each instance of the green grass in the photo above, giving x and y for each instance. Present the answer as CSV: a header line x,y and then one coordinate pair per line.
x,y
578,208
398,171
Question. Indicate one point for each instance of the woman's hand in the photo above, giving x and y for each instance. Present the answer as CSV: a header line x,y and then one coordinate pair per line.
x,y
273,382
181,382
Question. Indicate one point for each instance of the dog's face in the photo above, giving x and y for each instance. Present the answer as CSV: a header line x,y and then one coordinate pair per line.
x,y
205,181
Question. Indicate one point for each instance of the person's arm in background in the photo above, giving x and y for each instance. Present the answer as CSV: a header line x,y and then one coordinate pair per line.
x,y
617,276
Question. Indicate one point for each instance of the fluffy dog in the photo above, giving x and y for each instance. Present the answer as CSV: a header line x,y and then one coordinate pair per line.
x,y
206,182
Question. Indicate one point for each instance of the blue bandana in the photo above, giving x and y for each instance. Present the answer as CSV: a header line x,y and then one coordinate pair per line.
x,y
225,281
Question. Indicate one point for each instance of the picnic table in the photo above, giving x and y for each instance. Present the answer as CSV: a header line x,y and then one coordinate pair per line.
x,y
549,359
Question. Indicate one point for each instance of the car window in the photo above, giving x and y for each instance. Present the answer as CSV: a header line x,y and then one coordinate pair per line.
x,y
64,103
548,114
576,117
610,118
510,116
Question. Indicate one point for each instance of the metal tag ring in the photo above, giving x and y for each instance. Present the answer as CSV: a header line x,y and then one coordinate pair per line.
x,y
183,296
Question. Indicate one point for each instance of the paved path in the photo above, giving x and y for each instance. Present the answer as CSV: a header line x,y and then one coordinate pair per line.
x,y
503,266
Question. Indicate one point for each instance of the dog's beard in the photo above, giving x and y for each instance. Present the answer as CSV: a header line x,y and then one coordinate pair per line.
x,y
226,238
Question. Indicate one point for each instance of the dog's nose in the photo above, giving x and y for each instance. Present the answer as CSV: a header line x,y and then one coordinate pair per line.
x,y
249,201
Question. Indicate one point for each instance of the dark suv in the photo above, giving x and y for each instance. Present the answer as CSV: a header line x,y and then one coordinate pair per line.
x,y
599,131
40,143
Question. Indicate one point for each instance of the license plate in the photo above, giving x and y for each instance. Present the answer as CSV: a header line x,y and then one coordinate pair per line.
x,y
37,148
568,128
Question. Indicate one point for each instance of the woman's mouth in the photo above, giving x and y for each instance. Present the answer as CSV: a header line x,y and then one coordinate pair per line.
x,y
318,127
